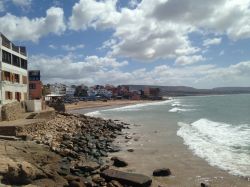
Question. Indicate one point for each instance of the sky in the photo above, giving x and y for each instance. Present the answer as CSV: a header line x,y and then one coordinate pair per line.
x,y
198,43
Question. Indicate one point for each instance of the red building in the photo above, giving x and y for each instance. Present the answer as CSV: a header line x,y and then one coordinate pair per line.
x,y
35,85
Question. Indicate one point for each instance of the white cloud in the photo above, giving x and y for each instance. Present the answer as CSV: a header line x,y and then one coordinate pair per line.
x,y
211,41
89,13
187,60
159,29
52,46
22,3
73,70
72,48
102,70
23,28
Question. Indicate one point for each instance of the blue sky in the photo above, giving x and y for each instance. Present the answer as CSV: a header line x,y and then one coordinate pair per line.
x,y
156,42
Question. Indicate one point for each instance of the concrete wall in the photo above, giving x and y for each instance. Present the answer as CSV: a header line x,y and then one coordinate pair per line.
x,y
33,105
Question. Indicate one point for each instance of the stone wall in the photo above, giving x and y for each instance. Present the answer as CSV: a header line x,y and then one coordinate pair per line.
x,y
12,111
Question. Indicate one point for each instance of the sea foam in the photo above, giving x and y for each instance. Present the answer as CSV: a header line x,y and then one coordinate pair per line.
x,y
223,145
176,109
138,107
93,114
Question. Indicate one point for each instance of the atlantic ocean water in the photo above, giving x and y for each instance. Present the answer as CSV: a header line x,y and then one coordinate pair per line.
x,y
207,135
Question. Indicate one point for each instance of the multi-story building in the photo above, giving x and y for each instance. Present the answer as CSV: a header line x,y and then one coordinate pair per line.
x,y
57,88
13,68
35,85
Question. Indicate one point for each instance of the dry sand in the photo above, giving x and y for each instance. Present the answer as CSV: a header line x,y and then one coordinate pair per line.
x,y
97,104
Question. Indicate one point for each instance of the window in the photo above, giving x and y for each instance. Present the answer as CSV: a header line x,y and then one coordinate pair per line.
x,y
6,57
16,78
18,96
15,61
8,95
24,64
6,76
25,81
32,86
5,41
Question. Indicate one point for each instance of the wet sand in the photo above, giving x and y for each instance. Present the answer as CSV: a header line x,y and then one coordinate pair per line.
x,y
156,148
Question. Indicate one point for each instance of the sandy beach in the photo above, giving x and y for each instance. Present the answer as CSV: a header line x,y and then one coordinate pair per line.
x,y
102,104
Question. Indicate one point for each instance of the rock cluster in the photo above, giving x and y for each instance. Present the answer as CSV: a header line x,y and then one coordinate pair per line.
x,y
12,111
83,142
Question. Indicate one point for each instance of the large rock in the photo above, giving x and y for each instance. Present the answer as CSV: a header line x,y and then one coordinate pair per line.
x,y
22,173
161,172
130,179
87,166
12,111
119,162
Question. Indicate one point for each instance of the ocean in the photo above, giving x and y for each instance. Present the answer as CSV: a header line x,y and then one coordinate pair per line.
x,y
209,135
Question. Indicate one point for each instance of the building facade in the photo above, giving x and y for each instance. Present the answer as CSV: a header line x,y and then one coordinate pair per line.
x,y
13,68
35,85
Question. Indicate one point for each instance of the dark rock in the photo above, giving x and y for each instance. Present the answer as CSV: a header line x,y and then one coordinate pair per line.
x,y
114,149
131,150
70,178
204,185
119,162
128,137
161,172
66,137
76,184
87,166
130,179
105,167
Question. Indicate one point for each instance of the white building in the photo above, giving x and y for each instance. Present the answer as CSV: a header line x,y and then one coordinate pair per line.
x,y
13,68
57,88
70,91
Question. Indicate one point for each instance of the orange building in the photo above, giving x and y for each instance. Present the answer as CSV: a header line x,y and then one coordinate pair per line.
x,y
35,85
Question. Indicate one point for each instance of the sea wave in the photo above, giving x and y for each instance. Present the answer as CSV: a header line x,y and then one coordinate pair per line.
x,y
223,145
135,107
176,104
93,114
138,107
176,109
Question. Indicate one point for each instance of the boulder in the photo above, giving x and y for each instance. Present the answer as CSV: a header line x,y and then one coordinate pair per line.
x,y
76,184
22,173
204,185
87,166
161,172
129,179
12,111
119,162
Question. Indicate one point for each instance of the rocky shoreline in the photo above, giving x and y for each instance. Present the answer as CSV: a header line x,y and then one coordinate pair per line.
x,y
81,145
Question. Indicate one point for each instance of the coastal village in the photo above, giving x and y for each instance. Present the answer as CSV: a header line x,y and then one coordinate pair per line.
x,y
67,149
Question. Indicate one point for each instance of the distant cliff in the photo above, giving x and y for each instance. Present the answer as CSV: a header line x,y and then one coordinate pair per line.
x,y
188,91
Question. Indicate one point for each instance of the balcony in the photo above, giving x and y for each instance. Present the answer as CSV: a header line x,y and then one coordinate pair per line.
x,y
10,45
5,41
15,48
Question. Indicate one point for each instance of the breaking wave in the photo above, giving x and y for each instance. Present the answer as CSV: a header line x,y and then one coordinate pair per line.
x,y
176,109
223,145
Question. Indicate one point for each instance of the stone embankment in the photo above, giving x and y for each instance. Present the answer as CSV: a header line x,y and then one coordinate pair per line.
x,y
81,144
